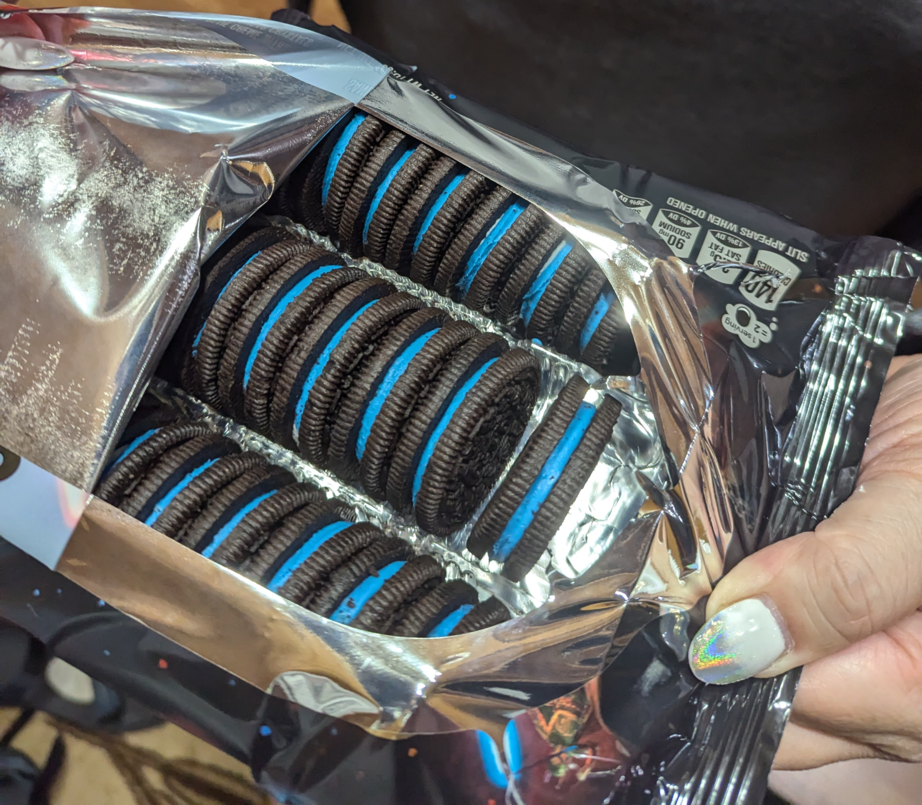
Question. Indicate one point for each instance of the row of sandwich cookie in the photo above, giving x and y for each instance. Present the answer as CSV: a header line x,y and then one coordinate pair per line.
x,y
381,194
421,410
198,487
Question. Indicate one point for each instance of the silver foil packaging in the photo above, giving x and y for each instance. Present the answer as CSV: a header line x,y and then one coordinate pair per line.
x,y
160,138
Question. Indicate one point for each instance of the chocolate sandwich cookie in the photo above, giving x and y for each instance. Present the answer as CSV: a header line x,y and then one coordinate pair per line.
x,y
437,613
549,295
440,180
575,319
217,274
490,260
458,440
535,496
344,594
352,149
310,354
475,233
172,472
371,386
491,612
472,440
290,543
290,311
508,300
385,160
294,286
389,197
244,514
136,456
606,342
396,398
415,579
433,231
233,297
347,351
189,503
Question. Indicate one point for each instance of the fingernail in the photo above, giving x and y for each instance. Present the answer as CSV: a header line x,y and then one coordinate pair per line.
x,y
738,642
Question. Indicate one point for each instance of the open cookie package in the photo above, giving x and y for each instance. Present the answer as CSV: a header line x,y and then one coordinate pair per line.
x,y
390,453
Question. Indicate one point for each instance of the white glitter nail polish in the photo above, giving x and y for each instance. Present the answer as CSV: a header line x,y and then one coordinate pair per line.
x,y
738,642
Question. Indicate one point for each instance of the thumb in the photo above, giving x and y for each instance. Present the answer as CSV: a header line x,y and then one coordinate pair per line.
x,y
23,53
812,595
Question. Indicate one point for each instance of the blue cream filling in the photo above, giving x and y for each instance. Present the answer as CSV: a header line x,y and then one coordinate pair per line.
x,y
361,595
198,336
338,150
492,764
170,496
286,571
452,409
382,189
231,524
277,312
130,448
539,286
598,312
541,487
318,367
445,627
434,209
499,228
394,373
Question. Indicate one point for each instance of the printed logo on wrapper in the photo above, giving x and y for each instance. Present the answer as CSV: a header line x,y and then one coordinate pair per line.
x,y
639,205
38,512
678,230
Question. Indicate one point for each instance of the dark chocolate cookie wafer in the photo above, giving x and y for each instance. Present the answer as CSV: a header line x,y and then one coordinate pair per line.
x,y
381,560
383,424
386,160
324,550
574,320
509,297
606,343
371,385
517,527
442,177
256,317
491,612
436,613
435,231
390,196
527,466
414,580
172,472
349,348
484,277
136,457
210,345
190,501
476,234
287,545
310,354
469,446
345,162
548,298
290,313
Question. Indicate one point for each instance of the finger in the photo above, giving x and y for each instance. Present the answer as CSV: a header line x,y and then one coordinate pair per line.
x,y
859,572
802,748
21,53
869,693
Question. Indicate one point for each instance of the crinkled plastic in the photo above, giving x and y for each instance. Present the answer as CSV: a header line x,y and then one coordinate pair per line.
x,y
746,425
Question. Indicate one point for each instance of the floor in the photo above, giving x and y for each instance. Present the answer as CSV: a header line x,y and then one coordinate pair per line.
x,y
91,778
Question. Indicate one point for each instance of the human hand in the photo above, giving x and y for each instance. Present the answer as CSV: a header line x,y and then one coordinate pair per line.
x,y
32,42
844,601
